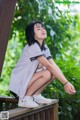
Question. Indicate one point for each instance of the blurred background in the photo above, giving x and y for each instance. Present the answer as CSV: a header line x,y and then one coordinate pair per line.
x,y
61,19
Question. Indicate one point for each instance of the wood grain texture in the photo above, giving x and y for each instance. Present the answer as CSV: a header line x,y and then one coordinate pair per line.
x,y
6,14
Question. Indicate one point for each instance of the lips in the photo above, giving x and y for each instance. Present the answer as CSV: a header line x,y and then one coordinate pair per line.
x,y
43,33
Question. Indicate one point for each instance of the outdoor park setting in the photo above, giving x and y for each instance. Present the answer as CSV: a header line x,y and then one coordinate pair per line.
x,y
62,22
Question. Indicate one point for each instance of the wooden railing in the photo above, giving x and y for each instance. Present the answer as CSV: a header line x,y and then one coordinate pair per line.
x,y
43,112
7,103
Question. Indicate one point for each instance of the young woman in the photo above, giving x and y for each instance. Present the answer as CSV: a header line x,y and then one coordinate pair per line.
x,y
35,69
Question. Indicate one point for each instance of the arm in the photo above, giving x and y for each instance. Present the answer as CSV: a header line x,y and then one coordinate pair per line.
x,y
54,64
55,70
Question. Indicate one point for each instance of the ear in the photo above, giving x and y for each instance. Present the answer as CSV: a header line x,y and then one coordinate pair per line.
x,y
34,36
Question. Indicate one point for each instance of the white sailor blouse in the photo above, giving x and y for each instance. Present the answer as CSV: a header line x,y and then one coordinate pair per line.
x,y
25,68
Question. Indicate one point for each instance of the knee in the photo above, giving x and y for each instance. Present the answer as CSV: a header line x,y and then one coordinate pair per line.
x,y
47,75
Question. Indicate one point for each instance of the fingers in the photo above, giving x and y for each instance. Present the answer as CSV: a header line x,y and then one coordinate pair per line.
x,y
69,88
72,90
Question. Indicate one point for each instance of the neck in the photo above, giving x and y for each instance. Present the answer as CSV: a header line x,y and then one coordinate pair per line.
x,y
40,42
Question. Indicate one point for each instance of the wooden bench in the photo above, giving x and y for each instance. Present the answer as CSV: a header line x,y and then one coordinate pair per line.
x,y
43,112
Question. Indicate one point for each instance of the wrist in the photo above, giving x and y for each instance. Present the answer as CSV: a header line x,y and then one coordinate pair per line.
x,y
65,83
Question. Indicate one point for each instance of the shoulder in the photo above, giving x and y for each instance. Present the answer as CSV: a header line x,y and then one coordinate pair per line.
x,y
46,46
34,46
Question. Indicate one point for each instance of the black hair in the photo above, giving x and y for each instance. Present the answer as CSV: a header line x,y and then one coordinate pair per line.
x,y
29,32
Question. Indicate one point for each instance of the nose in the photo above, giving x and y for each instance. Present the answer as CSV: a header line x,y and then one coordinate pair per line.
x,y
43,29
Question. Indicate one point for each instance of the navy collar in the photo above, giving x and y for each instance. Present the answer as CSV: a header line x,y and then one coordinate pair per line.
x,y
42,47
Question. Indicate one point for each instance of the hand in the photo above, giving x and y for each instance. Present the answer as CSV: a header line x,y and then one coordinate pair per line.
x,y
69,88
52,77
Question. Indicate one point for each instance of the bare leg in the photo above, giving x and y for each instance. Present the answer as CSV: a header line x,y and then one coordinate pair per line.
x,y
38,81
42,88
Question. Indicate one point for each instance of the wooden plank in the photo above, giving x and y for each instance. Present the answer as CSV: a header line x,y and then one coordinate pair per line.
x,y
51,114
19,111
37,116
25,118
0,106
42,115
47,114
8,99
31,117
6,14
55,111
0,2
10,103
16,119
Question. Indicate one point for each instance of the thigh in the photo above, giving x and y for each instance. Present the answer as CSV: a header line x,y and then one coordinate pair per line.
x,y
37,75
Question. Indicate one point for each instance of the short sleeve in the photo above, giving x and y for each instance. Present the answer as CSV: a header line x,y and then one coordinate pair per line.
x,y
48,53
34,51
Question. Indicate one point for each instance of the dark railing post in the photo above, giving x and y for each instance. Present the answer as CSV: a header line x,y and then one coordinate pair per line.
x,y
6,14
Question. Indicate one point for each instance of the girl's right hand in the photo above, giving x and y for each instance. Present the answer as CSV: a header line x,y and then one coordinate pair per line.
x,y
69,88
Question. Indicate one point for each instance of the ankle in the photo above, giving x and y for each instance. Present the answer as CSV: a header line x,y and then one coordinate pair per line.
x,y
25,97
36,95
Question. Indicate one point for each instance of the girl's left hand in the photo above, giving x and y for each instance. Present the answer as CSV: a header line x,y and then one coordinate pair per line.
x,y
69,88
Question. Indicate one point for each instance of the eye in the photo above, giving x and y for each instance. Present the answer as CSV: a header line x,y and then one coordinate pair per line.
x,y
42,25
38,29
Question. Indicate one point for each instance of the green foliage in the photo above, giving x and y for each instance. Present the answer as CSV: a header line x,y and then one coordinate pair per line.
x,y
69,105
13,52
63,40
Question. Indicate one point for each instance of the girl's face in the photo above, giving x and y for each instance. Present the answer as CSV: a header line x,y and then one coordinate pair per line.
x,y
39,32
